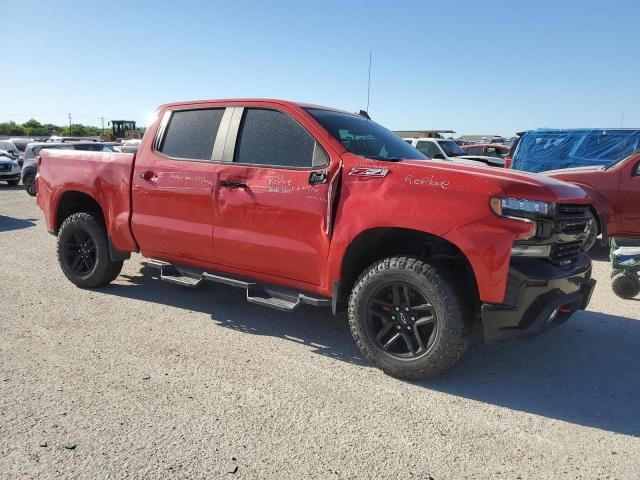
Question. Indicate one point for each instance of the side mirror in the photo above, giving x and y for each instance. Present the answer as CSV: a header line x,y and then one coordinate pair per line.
x,y
636,170
438,156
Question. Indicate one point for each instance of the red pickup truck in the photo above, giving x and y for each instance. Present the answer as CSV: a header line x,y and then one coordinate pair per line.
x,y
302,204
614,191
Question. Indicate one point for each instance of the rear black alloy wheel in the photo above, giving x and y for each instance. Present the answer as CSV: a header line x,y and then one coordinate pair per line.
x,y
407,317
403,320
79,253
83,251
29,182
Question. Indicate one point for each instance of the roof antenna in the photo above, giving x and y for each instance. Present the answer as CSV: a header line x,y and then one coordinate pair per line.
x,y
365,113
369,82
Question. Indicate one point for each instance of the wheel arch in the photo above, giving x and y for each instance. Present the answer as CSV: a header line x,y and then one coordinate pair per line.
x,y
377,243
75,201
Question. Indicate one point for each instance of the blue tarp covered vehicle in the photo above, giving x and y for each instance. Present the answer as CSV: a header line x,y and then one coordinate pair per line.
x,y
551,149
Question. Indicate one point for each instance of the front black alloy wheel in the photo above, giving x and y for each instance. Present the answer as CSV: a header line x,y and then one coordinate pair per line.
x,y
408,319
403,320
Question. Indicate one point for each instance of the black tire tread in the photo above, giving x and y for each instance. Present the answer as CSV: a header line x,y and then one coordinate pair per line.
x,y
454,335
31,191
106,270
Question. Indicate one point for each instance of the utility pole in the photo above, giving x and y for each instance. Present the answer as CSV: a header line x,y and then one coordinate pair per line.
x,y
69,123
102,119
621,119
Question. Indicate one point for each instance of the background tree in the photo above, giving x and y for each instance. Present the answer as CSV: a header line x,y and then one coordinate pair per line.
x,y
33,128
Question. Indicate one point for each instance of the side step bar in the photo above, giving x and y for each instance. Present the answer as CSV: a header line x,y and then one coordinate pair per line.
x,y
266,295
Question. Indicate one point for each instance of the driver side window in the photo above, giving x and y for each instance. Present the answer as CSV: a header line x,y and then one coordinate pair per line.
x,y
272,138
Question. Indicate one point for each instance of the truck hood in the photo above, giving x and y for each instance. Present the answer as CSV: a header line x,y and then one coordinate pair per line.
x,y
513,183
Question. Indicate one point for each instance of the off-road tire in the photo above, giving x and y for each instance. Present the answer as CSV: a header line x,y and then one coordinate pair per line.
x,y
625,285
449,305
104,269
29,182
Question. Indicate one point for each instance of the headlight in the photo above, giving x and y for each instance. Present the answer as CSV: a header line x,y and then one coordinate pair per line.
x,y
522,210
516,207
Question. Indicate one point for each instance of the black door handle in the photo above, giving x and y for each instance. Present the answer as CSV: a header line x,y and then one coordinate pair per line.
x,y
230,184
316,178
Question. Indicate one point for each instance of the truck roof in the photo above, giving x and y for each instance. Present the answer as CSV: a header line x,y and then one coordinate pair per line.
x,y
281,102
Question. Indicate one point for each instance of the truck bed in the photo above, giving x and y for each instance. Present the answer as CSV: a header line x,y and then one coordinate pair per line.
x,y
105,177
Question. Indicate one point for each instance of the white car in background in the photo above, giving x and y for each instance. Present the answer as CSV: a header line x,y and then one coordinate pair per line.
x,y
449,150
9,169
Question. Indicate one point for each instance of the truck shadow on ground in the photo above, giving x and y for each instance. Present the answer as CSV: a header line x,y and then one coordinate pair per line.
x,y
585,372
8,224
315,327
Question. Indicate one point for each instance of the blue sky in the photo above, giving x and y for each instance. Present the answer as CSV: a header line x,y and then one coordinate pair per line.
x,y
471,66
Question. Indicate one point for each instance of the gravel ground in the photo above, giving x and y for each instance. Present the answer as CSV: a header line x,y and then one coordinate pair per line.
x,y
146,379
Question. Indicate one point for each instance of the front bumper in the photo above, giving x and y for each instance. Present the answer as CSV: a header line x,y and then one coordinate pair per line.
x,y
9,176
13,173
539,296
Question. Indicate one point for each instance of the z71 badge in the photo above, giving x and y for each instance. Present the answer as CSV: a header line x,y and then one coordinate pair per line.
x,y
368,172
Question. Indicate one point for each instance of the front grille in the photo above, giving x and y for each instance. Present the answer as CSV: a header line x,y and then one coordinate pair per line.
x,y
572,219
565,253
571,224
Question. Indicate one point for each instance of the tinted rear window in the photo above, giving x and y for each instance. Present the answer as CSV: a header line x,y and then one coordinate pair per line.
x,y
192,133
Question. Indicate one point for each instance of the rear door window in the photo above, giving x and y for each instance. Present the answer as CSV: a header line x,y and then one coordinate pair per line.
x,y
191,134
270,137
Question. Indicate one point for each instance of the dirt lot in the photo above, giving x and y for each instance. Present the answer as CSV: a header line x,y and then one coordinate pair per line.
x,y
146,379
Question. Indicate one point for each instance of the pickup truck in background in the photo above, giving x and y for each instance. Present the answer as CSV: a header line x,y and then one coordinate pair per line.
x,y
302,204
614,191
445,149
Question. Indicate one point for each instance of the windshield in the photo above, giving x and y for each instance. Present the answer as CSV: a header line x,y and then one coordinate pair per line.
x,y
21,144
451,148
364,137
